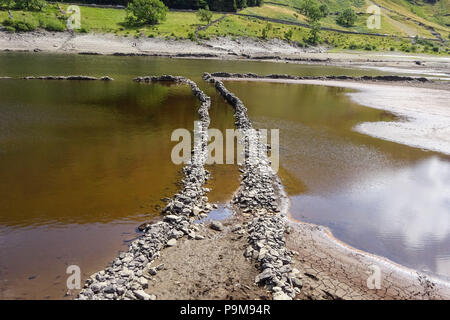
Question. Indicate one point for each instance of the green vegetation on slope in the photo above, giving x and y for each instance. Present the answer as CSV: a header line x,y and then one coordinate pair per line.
x,y
237,26
182,25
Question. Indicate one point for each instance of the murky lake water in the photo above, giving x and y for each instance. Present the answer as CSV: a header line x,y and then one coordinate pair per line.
x,y
378,196
83,163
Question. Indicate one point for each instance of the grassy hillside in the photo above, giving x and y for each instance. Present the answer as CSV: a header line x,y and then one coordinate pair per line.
x,y
397,18
248,27
183,25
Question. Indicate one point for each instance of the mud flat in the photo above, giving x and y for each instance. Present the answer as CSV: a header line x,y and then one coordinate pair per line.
x,y
424,112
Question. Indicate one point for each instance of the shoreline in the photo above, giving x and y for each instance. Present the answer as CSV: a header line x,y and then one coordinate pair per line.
x,y
224,48
417,126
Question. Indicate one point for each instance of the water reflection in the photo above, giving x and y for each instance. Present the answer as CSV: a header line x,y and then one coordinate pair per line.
x,y
378,196
403,214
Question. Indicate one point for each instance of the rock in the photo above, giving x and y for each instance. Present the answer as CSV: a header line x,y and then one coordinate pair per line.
x,y
142,295
263,276
152,271
172,242
176,234
120,290
172,218
280,295
216,225
296,282
143,282
199,237
197,211
236,228
191,234
109,289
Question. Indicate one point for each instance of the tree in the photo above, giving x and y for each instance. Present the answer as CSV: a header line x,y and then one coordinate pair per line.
x,y
30,5
146,12
347,18
205,15
314,33
311,9
314,12
324,10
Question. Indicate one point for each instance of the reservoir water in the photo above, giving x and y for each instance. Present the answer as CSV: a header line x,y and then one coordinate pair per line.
x,y
82,164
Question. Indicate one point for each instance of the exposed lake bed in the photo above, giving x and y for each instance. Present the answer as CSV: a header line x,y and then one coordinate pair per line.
x,y
217,107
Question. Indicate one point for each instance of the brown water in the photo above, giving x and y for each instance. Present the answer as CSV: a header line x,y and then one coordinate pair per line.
x,y
82,164
378,196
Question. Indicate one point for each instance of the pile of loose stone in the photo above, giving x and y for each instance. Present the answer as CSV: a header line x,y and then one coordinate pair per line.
x,y
104,78
267,246
259,195
291,77
257,185
128,275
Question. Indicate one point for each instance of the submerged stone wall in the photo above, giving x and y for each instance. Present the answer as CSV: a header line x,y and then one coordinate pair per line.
x,y
128,275
291,77
261,195
80,78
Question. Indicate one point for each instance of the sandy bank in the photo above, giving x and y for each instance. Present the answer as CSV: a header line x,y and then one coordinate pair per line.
x,y
424,111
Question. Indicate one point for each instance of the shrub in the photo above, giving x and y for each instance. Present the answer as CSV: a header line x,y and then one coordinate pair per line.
x,y
51,24
30,5
346,18
10,29
288,35
265,31
20,25
146,12
8,4
205,15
